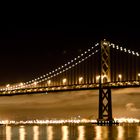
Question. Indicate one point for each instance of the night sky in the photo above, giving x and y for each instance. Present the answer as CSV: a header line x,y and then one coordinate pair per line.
x,y
31,50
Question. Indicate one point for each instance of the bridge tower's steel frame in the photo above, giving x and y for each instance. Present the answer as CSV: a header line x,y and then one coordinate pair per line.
x,y
105,101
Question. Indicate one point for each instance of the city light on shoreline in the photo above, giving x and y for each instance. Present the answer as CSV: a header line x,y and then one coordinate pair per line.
x,y
65,121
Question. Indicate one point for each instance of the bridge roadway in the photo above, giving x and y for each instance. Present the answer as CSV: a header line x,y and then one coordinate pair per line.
x,y
39,89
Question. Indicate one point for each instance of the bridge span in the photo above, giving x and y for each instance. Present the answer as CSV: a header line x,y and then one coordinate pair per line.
x,y
103,66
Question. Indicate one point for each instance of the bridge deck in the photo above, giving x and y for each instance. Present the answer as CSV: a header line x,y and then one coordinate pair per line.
x,y
34,90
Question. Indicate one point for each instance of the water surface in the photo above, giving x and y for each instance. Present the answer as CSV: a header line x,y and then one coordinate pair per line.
x,y
69,132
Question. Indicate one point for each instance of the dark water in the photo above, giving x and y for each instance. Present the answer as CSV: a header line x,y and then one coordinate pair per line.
x,y
77,132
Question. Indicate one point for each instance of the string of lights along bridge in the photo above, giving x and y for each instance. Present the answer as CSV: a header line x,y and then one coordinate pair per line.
x,y
103,66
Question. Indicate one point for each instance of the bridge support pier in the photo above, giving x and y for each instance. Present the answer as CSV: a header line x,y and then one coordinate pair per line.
x,y
105,106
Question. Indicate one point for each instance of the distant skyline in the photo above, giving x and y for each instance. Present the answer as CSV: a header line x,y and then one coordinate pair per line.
x,y
30,50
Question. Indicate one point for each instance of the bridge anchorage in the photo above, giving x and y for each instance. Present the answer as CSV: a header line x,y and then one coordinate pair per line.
x,y
105,100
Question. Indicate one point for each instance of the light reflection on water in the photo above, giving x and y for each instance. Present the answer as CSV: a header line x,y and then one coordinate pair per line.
x,y
120,130
98,132
81,133
8,133
35,132
65,133
49,133
22,133
70,132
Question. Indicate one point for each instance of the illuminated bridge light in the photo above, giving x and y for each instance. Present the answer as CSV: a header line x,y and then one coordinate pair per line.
x,y
138,76
113,45
137,53
7,85
97,78
49,82
21,84
105,43
35,83
133,52
80,80
120,77
129,51
125,50
64,81
117,47
96,44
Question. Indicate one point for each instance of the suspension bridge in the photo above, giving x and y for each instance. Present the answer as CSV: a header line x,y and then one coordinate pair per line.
x,y
103,66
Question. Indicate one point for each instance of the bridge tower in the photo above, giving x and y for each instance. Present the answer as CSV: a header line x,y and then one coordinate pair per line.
x,y
105,101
